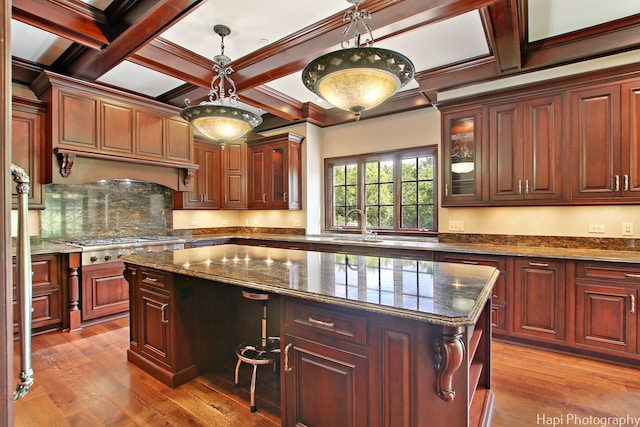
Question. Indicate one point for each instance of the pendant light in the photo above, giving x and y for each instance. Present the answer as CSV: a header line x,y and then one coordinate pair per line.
x,y
221,118
357,78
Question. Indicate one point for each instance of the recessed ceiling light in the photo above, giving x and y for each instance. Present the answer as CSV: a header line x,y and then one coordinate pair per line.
x,y
264,40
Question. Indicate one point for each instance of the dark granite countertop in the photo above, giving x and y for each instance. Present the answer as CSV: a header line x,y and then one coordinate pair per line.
x,y
42,247
439,293
432,244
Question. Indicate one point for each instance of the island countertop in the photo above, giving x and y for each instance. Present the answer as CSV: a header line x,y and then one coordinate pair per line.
x,y
439,293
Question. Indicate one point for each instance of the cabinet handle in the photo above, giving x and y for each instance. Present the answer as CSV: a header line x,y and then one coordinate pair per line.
x,y
264,198
519,186
287,368
225,198
539,264
633,303
617,182
526,186
284,197
631,275
446,189
150,279
162,308
321,323
464,261
626,182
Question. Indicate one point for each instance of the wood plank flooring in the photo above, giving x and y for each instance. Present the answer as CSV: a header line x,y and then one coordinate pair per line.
x,y
83,379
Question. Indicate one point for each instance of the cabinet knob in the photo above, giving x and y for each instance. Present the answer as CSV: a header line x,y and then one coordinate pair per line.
x,y
107,257
93,258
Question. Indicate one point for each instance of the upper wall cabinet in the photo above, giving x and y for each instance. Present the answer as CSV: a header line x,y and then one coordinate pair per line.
x,y
206,188
462,156
89,120
605,142
27,140
234,175
275,175
525,150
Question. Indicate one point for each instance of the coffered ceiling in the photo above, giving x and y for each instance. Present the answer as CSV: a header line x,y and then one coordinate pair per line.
x,y
163,49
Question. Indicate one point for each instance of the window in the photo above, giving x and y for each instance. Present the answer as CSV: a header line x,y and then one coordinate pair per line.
x,y
396,191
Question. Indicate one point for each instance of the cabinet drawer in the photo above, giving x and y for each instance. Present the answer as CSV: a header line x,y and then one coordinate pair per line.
x,y
499,319
329,322
500,263
628,273
155,279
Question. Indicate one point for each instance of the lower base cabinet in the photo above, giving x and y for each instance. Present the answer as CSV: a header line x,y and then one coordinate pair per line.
x,y
606,311
105,291
540,302
48,293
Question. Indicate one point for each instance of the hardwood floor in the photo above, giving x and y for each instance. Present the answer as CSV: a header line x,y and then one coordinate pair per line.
x,y
84,379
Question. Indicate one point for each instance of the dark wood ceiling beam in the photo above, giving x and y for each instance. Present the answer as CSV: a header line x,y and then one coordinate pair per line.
x,y
502,26
70,19
23,71
147,19
605,39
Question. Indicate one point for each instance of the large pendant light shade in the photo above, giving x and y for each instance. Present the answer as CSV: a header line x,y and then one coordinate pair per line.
x,y
358,78
221,119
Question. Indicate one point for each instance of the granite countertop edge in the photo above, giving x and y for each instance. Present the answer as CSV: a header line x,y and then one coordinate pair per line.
x,y
441,320
432,244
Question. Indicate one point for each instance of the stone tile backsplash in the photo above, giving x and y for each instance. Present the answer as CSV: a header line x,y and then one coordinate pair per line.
x,y
110,208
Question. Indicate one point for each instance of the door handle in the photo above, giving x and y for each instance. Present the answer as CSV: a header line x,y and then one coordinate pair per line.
x,y
287,368
284,197
626,182
617,182
163,319
633,304
539,264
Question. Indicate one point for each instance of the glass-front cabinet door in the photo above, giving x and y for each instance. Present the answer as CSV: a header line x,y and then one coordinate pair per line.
x,y
462,156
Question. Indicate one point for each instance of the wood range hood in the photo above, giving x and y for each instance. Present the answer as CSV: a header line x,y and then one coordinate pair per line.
x,y
94,132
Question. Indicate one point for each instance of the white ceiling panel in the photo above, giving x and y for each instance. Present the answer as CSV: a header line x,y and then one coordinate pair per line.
x,y
140,79
36,45
548,18
253,24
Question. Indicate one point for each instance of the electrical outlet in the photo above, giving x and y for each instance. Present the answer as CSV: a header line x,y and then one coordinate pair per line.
x,y
456,225
627,229
596,228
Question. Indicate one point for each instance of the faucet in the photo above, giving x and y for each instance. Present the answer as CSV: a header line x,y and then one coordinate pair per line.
x,y
363,223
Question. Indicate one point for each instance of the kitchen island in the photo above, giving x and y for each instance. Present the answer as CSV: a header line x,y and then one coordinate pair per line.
x,y
365,341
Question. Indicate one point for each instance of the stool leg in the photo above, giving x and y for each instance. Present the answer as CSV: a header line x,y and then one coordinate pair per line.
x,y
237,368
253,389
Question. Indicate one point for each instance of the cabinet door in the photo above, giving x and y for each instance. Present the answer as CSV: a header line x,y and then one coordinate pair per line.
x,y
154,313
116,128
27,137
149,139
278,175
293,196
47,291
234,176
105,291
206,187
542,150
462,161
179,140
605,317
323,386
595,143
77,125
505,152
631,139
258,181
539,302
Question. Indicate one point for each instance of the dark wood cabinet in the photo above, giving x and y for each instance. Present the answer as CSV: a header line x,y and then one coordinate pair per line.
x,y
540,302
206,192
631,140
87,119
27,143
48,293
275,175
105,292
462,159
595,142
323,377
234,176
606,313
502,289
525,150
